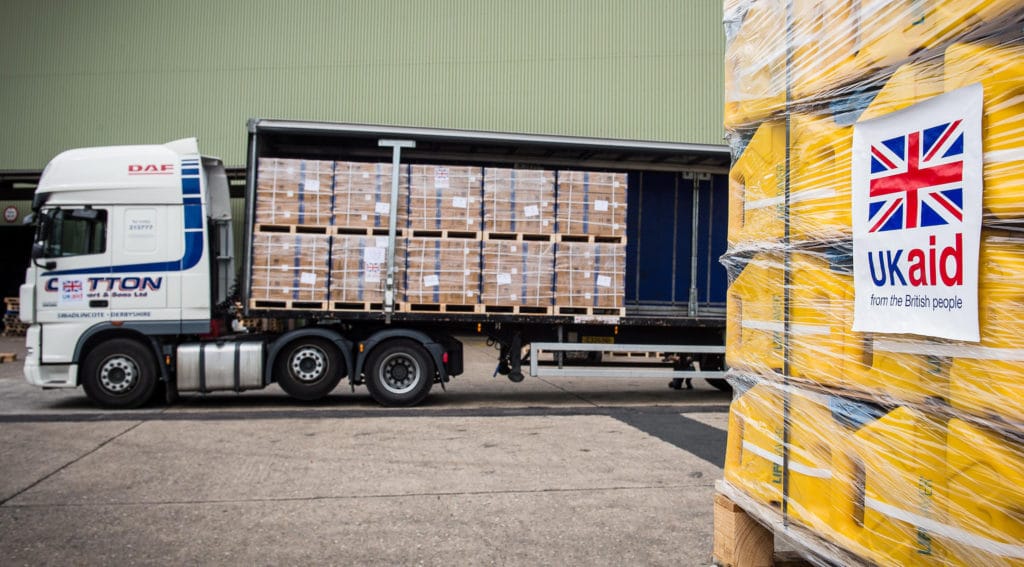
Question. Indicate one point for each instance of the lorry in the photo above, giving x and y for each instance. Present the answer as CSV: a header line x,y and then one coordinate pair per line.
x,y
132,286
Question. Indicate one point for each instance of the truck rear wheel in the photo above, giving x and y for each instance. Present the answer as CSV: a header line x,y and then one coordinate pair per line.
x,y
309,368
400,373
119,374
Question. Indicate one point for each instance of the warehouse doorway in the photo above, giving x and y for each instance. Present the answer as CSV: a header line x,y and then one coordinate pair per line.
x,y
15,254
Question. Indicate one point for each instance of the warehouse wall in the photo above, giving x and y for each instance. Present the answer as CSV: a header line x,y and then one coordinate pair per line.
x,y
77,72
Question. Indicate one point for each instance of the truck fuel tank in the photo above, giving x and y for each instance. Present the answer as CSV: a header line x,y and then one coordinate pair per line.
x,y
222,365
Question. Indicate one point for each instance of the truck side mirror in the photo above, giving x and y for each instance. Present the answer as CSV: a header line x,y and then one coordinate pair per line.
x,y
37,249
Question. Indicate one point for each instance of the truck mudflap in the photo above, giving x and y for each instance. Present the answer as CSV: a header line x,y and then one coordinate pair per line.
x,y
445,353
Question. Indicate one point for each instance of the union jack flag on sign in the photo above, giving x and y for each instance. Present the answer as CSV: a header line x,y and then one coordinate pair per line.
x,y
72,286
917,179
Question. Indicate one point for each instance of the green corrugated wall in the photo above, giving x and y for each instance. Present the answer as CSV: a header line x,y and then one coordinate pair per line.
x,y
93,72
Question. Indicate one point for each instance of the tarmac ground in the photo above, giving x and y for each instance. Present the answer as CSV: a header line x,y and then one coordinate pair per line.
x,y
580,471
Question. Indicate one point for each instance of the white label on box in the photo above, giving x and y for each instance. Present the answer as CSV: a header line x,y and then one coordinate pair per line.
x,y
311,184
601,205
382,208
465,273
544,204
307,278
382,242
286,290
586,296
586,275
365,175
287,214
531,211
441,180
285,267
371,273
459,202
514,272
469,294
615,183
615,226
431,281
504,279
367,197
290,193
373,255
365,217
544,222
514,297
512,248
604,281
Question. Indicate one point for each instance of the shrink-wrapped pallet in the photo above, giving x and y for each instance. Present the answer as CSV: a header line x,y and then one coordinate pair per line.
x,y
289,270
519,200
442,271
294,192
362,195
518,274
875,303
359,270
589,275
591,203
443,197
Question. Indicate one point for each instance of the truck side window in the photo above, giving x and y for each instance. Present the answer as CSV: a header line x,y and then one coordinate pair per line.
x,y
76,232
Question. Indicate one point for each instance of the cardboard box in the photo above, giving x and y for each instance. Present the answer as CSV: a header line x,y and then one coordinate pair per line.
x,y
362,195
591,202
445,197
589,274
294,191
359,268
518,273
442,270
519,200
289,267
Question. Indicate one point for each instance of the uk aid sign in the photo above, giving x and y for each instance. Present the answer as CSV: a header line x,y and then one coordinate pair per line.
x,y
917,189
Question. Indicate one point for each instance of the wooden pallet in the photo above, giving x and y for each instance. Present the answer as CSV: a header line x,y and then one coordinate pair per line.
x,y
745,530
362,306
293,229
592,238
357,231
294,304
609,311
440,308
12,303
518,309
459,234
8,357
257,325
519,236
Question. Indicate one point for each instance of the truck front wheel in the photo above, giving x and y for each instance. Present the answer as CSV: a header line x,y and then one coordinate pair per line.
x,y
308,369
400,373
119,374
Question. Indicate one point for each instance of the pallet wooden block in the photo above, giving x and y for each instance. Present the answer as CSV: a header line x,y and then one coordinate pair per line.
x,y
740,541
8,357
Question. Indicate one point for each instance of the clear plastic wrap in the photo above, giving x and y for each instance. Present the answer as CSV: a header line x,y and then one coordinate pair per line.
x,y
359,269
589,276
442,271
445,197
290,270
886,448
519,200
518,274
294,192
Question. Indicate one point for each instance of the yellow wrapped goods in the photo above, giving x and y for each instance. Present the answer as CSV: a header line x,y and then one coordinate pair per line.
x,y
756,184
820,154
987,379
823,347
986,497
910,84
754,459
754,314
755,65
825,41
1000,70
890,486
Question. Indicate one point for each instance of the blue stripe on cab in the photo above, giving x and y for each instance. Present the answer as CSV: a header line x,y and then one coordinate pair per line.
x,y
193,216
190,185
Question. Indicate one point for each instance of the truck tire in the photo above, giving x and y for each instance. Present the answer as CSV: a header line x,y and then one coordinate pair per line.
x,y
119,374
309,368
720,383
400,373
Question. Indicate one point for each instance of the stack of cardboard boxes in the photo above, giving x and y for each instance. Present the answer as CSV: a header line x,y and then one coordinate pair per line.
x,y
471,239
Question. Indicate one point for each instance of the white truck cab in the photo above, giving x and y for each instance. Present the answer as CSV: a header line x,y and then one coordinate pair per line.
x,y
127,240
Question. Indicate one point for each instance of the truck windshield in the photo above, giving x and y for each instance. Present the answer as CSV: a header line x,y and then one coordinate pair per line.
x,y
74,232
